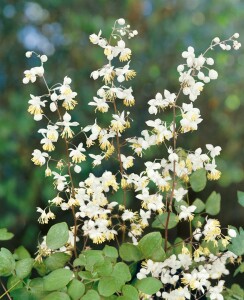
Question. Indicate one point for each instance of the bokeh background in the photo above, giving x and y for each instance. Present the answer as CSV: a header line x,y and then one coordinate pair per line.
x,y
61,29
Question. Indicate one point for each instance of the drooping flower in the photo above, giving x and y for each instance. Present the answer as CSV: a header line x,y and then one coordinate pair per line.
x,y
67,132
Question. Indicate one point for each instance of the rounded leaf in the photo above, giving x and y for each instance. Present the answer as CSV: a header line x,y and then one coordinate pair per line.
x,y
7,262
23,267
57,236
150,243
240,197
57,279
121,272
57,260
108,285
110,251
76,289
198,180
213,204
5,235
130,292
160,221
91,295
57,296
149,285
130,252
200,206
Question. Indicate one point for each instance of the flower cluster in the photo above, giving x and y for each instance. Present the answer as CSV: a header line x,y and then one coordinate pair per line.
x,y
162,187
183,277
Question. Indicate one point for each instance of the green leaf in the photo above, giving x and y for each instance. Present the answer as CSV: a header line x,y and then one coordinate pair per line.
x,y
36,285
5,235
198,180
93,258
235,293
57,261
7,262
149,285
160,221
57,279
104,269
196,220
110,251
57,236
41,268
57,296
237,243
159,255
14,283
85,275
134,268
121,272
178,204
150,244
91,295
22,293
76,289
21,253
200,206
108,285
130,293
36,288
80,261
130,252
240,197
23,267
213,204
240,269
113,297
178,244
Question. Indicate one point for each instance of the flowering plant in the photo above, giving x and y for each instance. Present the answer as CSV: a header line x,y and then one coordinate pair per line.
x,y
112,250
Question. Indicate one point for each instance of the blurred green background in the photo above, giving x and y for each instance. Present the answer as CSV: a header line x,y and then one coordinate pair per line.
x,y
61,29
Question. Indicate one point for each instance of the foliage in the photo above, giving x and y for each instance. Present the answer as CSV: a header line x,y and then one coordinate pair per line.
x,y
146,263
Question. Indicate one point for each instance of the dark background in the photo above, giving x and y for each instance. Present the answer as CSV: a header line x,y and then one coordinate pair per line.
x,y
61,29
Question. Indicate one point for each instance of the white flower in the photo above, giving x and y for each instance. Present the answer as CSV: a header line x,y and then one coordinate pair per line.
x,y
232,233
76,154
127,161
214,151
94,38
67,94
127,215
216,291
60,181
197,234
186,212
67,132
100,104
36,105
43,58
97,159
39,158
77,169
121,21
28,54
118,124
191,117
51,132
179,194
213,74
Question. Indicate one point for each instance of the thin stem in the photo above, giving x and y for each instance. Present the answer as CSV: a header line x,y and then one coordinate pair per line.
x,y
173,183
119,157
169,206
190,223
69,172
7,291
